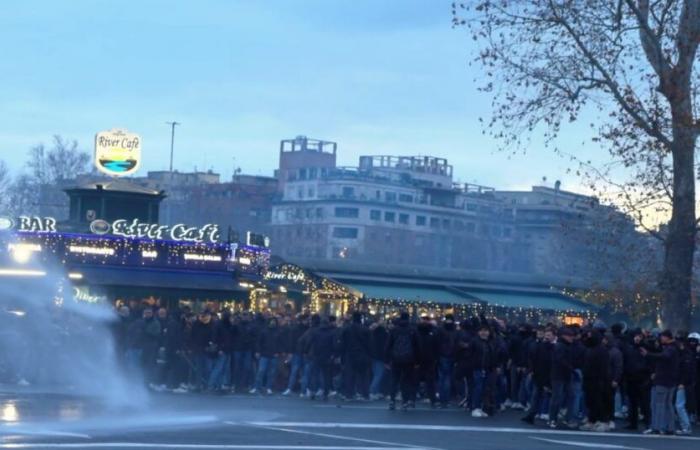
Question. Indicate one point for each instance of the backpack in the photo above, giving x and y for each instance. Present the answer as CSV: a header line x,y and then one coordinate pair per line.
x,y
402,350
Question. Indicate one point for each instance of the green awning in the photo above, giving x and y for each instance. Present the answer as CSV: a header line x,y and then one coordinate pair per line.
x,y
553,302
410,294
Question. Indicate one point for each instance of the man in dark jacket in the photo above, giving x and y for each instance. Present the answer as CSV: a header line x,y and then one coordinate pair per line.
x,y
224,337
562,372
402,353
541,371
686,384
322,351
665,380
203,349
428,344
596,380
293,335
243,350
447,339
355,353
484,357
268,349
637,376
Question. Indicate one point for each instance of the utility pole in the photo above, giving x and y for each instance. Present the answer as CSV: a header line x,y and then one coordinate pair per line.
x,y
172,124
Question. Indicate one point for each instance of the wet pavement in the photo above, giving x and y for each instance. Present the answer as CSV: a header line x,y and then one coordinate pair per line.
x,y
33,420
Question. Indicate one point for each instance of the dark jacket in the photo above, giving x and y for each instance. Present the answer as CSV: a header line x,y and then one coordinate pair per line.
x,y
225,336
541,363
448,337
688,367
428,343
354,344
202,334
562,362
596,363
378,339
322,344
635,366
402,332
667,366
483,354
269,342
616,362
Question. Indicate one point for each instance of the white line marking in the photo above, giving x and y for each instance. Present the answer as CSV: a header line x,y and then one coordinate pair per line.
x,y
587,444
347,438
386,408
189,446
31,432
399,426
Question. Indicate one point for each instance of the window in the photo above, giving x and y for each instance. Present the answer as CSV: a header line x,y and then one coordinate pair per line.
x,y
459,225
389,217
345,233
434,222
406,198
311,192
319,212
471,227
471,207
313,173
378,195
390,197
300,192
375,214
446,224
352,213
403,219
348,192
484,229
302,174
309,213
420,221
506,232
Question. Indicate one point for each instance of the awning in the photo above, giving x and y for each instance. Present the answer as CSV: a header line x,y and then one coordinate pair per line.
x,y
411,294
554,302
154,278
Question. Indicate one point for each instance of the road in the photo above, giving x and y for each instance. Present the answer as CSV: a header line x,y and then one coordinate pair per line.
x,y
203,422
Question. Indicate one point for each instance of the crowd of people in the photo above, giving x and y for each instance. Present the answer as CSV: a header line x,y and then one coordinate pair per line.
x,y
581,377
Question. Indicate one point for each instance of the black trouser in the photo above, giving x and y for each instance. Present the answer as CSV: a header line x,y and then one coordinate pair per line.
x,y
355,377
403,376
427,372
595,401
608,402
638,393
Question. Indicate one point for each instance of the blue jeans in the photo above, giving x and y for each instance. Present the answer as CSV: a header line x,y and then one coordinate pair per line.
x,y
683,418
560,391
296,365
242,368
218,376
203,365
378,371
133,357
662,417
479,382
267,369
445,375
573,408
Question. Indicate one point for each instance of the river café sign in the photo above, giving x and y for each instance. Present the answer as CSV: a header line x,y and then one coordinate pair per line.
x,y
117,152
136,229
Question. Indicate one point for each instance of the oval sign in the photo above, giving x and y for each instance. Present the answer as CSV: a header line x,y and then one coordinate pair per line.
x,y
99,226
117,152
6,223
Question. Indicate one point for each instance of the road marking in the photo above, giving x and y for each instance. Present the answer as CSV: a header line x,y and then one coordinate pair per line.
x,y
400,426
188,446
385,408
587,444
347,438
29,432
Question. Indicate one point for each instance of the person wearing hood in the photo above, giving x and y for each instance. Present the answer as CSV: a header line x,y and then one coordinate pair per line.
x,y
243,349
310,376
666,378
541,367
517,351
354,349
447,350
401,354
596,382
428,344
484,356
615,373
268,350
686,385
561,375
637,377
295,359
203,348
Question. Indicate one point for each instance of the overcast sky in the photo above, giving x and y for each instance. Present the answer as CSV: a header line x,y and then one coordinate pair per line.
x,y
378,77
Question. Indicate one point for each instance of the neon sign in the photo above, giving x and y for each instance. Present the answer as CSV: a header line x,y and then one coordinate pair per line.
x,y
135,229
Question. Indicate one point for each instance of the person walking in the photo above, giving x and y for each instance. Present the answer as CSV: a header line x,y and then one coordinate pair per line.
x,y
562,373
666,378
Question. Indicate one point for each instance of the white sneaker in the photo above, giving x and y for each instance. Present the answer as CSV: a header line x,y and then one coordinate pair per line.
x,y
600,427
253,391
479,413
517,405
587,426
545,417
180,390
611,425
303,395
287,392
508,403
23,382
269,392
503,407
319,393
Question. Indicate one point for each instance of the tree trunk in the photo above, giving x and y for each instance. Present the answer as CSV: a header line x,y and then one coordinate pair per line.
x,y
677,274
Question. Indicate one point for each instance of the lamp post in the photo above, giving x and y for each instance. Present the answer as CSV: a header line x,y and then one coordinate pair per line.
x,y
172,124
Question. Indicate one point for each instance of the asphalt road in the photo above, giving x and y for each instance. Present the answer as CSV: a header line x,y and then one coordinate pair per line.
x,y
37,421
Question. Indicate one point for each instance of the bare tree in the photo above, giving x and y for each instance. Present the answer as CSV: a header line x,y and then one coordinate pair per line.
x,y
630,65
